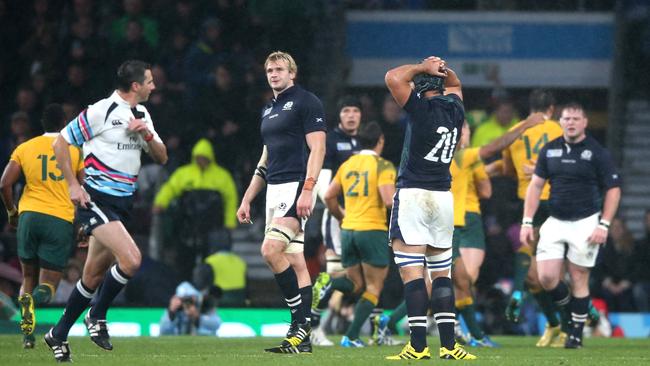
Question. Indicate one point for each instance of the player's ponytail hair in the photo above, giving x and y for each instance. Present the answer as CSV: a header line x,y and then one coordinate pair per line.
x,y
129,72
282,56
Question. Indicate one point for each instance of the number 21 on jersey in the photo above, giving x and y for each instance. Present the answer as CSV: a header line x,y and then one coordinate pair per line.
x,y
445,147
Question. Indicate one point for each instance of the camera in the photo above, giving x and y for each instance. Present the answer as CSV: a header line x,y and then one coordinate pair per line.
x,y
187,301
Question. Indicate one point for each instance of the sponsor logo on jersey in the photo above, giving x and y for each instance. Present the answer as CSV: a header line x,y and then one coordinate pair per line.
x,y
116,122
343,146
553,153
282,206
134,144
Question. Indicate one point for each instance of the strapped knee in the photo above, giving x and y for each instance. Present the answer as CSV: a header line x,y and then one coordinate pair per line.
x,y
404,259
440,262
279,233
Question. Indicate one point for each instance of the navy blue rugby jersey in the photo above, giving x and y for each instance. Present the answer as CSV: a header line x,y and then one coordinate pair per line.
x,y
433,130
285,122
340,146
579,174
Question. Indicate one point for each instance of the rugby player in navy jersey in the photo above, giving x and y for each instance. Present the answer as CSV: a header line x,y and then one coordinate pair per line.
x,y
341,144
422,219
294,132
585,193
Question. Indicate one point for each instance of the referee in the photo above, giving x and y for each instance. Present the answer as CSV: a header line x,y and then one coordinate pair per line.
x,y
581,173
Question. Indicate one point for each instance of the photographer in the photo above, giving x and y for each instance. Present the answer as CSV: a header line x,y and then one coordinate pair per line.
x,y
188,314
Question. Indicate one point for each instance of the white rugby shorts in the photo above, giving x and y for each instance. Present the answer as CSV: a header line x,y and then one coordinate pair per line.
x,y
422,217
557,236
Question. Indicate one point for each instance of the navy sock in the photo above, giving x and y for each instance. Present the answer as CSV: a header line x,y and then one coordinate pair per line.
x,y
417,303
77,303
561,298
579,312
305,295
114,282
443,305
288,283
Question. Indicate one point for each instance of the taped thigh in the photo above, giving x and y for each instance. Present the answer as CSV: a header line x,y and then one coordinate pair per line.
x,y
440,262
404,259
297,244
279,233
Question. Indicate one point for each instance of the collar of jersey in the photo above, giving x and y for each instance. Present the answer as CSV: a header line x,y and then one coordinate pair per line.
x,y
286,93
116,98
581,143
367,152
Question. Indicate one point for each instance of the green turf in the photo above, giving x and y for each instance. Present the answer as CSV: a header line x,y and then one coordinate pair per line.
x,y
214,351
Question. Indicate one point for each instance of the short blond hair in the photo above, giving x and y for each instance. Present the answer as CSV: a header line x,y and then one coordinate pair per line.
x,y
282,56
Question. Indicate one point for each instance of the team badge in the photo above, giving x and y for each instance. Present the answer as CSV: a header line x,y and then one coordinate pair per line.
x,y
586,155
287,106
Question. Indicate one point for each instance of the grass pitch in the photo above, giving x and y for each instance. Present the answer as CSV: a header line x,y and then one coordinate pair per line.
x,y
249,351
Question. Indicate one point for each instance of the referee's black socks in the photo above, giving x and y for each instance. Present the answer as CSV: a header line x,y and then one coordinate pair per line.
x,y
114,282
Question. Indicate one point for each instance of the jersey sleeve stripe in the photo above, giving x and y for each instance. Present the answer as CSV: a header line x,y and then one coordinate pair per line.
x,y
85,126
71,132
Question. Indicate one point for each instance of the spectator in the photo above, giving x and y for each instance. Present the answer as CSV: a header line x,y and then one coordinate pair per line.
x,y
40,52
76,86
10,280
26,102
83,45
207,205
229,275
173,59
391,124
617,260
133,12
203,173
187,315
71,274
641,289
20,131
202,57
503,118
133,46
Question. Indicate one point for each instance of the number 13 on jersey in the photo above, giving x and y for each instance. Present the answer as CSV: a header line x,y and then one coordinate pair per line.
x,y
445,147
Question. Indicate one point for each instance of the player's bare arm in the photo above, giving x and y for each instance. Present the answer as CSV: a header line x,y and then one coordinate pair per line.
x,y
10,176
452,83
331,201
316,143
398,79
387,191
506,140
484,188
258,182
61,150
526,235
610,206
